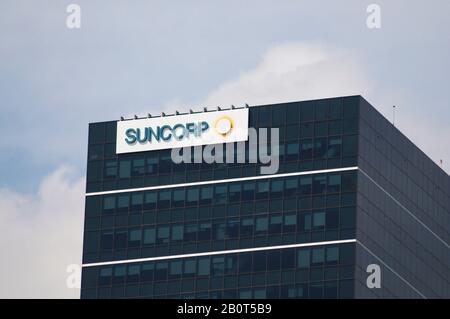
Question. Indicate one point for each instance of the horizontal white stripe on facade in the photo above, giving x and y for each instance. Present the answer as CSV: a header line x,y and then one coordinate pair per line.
x,y
221,252
230,180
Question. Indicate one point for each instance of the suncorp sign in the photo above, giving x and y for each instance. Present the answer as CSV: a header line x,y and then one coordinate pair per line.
x,y
182,131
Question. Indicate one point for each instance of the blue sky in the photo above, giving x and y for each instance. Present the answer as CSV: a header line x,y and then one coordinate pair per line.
x,y
148,56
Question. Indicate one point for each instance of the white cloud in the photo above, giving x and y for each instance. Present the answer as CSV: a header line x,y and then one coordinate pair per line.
x,y
41,234
293,72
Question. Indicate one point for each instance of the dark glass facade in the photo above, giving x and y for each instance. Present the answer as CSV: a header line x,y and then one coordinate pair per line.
x,y
343,198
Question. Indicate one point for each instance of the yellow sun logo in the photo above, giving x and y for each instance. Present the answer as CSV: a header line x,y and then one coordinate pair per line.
x,y
223,125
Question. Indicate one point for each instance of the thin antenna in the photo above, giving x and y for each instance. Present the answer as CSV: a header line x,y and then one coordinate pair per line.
x,y
393,113
442,162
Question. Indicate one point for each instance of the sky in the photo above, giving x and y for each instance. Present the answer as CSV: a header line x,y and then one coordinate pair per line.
x,y
139,57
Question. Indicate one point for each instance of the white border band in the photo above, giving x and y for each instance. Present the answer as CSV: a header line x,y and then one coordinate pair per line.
x,y
230,180
221,252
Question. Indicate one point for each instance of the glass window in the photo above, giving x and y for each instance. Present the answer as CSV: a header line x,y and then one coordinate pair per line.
x,y
177,232
306,149
147,271
303,258
278,115
163,234
245,262
150,200
350,126
320,148
292,151
164,199
123,202
161,271
336,108
149,235
292,132
275,224
320,184
218,265
133,273
334,147
152,163
232,228
190,232
119,274
176,268
192,196
332,254
287,258
262,224
262,190
305,185
165,163
307,112
290,223
307,221
204,231
318,255
96,133
220,194
318,219
120,239
178,198
93,206
321,129
348,217
190,266
248,192
349,182
335,127
95,171
203,266
322,110
235,192
247,227
206,195
259,261
109,203
111,168
273,260
332,218
306,130
351,106
124,169
277,188
347,254
350,145
135,238
291,186
106,240
219,230
293,113
264,116
334,183
138,167
105,276
137,200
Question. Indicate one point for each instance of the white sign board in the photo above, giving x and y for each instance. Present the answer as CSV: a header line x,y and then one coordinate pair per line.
x,y
182,131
